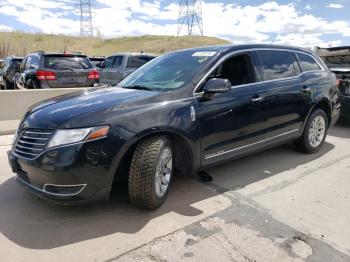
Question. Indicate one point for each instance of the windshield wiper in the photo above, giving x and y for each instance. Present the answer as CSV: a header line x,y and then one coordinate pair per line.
x,y
139,87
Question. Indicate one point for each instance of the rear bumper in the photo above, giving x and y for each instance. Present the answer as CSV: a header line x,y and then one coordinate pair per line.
x,y
55,84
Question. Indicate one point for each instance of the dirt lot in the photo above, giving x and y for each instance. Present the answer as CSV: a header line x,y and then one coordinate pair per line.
x,y
278,205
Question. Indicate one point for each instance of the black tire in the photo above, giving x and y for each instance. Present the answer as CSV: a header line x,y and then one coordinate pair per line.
x,y
142,172
304,143
31,84
7,84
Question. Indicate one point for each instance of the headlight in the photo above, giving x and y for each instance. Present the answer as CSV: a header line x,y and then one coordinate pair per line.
x,y
70,136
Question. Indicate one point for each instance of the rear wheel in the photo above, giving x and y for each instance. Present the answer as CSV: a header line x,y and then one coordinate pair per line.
x,y
7,84
151,171
31,84
315,132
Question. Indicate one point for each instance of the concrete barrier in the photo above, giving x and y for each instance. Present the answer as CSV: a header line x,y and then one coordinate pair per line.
x,y
14,103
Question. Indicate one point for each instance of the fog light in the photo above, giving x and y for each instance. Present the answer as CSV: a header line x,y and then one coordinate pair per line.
x,y
64,190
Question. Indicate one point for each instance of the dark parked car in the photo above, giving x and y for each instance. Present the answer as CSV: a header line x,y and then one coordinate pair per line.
x,y
118,66
338,60
97,60
47,70
183,112
10,67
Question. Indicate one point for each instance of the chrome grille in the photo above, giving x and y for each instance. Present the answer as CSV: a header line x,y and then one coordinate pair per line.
x,y
32,142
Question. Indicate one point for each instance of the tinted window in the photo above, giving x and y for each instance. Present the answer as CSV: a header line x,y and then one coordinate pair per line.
x,y
28,61
108,62
308,63
138,61
35,62
65,62
237,69
277,64
118,60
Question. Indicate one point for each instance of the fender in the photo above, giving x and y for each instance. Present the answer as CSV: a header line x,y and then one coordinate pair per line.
x,y
316,103
192,146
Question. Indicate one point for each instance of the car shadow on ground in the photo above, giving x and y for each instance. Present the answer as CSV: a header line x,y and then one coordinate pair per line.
x,y
36,224
342,130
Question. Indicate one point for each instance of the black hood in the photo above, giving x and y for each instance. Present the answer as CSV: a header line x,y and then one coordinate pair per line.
x,y
54,112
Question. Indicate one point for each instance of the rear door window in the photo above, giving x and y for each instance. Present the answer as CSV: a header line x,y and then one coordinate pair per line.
x,y
67,62
28,61
118,60
277,64
308,63
35,62
138,61
108,62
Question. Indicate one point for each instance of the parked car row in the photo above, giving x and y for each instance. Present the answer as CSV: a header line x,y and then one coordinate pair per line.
x,y
338,61
52,70
10,68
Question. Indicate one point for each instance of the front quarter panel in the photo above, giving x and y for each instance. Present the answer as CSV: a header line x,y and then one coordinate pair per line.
x,y
129,124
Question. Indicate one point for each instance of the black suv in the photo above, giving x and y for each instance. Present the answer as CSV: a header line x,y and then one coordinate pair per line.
x,y
10,67
47,70
181,112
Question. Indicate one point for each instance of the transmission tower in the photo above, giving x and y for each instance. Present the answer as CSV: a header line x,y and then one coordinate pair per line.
x,y
190,16
86,28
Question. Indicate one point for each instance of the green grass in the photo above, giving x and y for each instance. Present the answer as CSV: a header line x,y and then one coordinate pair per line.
x,y
20,44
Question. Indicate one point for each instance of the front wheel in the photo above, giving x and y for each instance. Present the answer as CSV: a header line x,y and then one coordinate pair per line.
x,y
315,132
151,171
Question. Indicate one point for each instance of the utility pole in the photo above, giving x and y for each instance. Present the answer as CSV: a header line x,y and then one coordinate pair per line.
x,y
86,28
190,16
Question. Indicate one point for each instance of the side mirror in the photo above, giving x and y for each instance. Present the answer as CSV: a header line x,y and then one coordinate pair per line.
x,y
217,85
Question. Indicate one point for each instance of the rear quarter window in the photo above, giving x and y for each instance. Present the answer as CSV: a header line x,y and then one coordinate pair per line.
x,y
308,63
67,62
138,61
277,64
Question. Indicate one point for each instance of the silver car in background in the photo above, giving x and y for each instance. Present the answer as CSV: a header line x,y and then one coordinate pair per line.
x,y
118,66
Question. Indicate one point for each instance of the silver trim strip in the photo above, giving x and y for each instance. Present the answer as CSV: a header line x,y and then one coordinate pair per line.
x,y
35,149
239,148
262,82
30,143
38,133
36,138
49,193
26,153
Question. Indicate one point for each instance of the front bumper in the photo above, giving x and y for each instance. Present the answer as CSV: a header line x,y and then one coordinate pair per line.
x,y
69,174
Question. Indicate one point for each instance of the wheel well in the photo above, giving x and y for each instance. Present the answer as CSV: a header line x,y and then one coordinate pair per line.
x,y
182,152
324,105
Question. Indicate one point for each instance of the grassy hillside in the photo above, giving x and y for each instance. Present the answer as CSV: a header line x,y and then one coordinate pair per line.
x,y
21,44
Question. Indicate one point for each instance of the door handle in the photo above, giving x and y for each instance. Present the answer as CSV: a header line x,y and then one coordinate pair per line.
x,y
306,89
256,99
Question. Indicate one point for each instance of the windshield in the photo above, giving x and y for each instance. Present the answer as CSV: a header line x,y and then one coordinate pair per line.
x,y
168,72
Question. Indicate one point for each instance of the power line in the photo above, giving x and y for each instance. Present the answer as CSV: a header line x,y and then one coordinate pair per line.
x,y
190,16
86,27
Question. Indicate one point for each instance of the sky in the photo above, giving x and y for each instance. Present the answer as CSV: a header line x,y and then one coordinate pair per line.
x,y
300,22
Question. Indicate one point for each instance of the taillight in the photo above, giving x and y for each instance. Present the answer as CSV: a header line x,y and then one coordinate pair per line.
x,y
93,74
45,75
